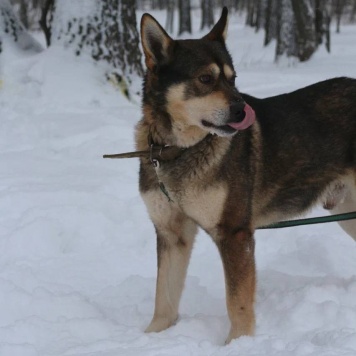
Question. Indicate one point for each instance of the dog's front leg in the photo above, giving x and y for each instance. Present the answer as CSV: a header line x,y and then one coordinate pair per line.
x,y
175,237
237,253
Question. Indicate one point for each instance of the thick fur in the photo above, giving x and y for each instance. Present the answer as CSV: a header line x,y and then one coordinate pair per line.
x,y
301,151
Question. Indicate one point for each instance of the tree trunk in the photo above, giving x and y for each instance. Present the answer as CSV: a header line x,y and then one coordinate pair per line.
x,y
106,30
319,21
250,18
260,14
207,18
304,15
158,4
241,5
129,42
339,10
46,20
322,22
185,23
170,16
353,12
23,14
270,21
286,36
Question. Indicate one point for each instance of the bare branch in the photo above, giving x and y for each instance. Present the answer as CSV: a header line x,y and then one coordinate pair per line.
x,y
43,21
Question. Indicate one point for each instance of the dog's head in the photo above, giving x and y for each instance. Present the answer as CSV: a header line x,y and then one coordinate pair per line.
x,y
193,82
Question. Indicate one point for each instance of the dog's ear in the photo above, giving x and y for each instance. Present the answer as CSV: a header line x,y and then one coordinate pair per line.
x,y
156,43
219,31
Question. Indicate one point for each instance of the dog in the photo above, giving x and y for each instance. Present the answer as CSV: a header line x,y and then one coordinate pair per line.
x,y
240,163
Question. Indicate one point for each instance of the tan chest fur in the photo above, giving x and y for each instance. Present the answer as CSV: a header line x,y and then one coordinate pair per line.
x,y
204,205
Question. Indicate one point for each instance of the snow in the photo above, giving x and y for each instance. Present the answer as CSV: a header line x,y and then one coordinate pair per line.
x,y
78,256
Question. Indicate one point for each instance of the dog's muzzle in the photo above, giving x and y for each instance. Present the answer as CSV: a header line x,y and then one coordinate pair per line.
x,y
241,116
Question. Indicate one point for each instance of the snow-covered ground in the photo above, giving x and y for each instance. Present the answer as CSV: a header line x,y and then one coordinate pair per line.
x,y
77,249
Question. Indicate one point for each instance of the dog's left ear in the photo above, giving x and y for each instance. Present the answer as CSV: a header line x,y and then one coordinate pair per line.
x,y
219,31
156,43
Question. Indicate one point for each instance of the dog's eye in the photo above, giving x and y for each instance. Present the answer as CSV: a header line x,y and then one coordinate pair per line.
x,y
206,79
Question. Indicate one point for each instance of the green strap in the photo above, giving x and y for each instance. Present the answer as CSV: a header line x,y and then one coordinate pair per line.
x,y
309,221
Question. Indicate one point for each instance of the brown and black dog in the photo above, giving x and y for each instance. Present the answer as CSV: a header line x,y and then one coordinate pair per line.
x,y
245,162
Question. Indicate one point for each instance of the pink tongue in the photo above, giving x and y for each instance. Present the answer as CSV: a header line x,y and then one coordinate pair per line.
x,y
248,120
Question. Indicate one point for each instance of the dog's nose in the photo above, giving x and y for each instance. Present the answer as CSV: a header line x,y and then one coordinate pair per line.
x,y
237,112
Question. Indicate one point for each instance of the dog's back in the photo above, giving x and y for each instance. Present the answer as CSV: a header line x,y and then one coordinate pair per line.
x,y
307,141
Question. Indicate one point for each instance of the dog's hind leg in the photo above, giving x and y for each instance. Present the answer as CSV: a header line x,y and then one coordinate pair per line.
x,y
175,237
237,253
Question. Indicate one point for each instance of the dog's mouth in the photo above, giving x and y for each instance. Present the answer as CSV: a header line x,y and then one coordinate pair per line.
x,y
244,121
225,128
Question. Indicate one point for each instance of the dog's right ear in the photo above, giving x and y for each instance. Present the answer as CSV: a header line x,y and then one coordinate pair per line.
x,y
219,31
156,43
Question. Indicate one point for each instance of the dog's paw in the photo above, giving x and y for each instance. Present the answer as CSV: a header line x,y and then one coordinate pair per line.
x,y
160,323
231,337
236,332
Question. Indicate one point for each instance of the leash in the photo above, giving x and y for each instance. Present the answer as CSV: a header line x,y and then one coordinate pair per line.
x,y
310,221
165,153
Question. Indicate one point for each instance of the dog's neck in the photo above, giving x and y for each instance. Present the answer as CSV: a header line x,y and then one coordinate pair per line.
x,y
212,147
158,125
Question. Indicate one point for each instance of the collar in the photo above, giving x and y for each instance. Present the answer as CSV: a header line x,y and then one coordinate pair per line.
x,y
155,154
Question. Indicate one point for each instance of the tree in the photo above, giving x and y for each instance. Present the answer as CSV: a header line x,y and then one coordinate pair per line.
x,y
305,28
230,4
207,17
170,16
250,17
270,23
46,19
353,12
339,7
158,4
23,12
29,12
12,32
322,22
260,13
299,26
105,30
286,39
185,22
